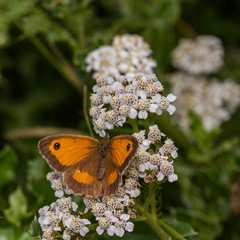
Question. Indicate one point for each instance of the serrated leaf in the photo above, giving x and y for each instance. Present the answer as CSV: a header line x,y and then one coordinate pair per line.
x,y
18,208
8,159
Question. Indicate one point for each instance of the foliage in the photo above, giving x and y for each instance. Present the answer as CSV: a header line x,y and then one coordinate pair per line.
x,y
43,45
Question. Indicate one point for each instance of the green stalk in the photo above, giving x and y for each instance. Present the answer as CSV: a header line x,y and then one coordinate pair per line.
x,y
62,66
134,125
152,222
153,188
152,119
171,230
85,110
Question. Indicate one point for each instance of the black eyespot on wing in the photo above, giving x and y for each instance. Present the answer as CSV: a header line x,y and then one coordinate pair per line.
x,y
128,147
56,146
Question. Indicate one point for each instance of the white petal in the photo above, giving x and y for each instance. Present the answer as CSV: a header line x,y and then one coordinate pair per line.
x,y
160,176
132,113
120,232
174,154
153,108
99,230
142,94
74,206
135,193
125,216
171,97
146,142
156,98
69,222
59,193
129,226
111,230
142,114
109,125
84,231
141,167
172,177
66,236
171,109
142,174
86,221
159,111
46,221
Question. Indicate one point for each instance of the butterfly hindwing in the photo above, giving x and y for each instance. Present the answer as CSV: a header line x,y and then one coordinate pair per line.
x,y
82,178
112,177
64,150
123,149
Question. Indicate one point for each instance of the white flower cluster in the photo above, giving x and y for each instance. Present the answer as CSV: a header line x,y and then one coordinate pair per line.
x,y
125,89
113,101
127,55
110,213
155,163
203,55
58,219
212,100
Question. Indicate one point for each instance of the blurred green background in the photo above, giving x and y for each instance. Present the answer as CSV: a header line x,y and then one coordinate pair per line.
x,y
43,45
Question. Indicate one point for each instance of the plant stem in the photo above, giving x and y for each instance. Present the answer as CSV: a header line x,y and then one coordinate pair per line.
x,y
73,77
171,230
186,29
152,119
153,188
134,125
36,132
85,110
63,68
152,222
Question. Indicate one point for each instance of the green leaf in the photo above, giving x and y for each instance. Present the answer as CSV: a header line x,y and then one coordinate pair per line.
x,y
18,208
37,183
8,160
182,228
34,228
13,234
11,10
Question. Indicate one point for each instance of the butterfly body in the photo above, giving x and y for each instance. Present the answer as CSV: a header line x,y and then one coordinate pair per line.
x,y
90,167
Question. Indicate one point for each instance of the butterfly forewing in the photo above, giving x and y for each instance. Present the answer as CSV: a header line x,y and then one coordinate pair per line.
x,y
65,150
123,149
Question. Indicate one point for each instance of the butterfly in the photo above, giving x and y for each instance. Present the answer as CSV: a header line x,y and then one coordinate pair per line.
x,y
90,167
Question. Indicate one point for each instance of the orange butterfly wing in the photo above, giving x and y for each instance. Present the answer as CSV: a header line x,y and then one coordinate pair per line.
x,y
122,150
64,150
82,178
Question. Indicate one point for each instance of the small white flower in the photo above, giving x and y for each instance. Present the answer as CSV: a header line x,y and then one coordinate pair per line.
x,y
154,134
143,143
167,169
168,148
